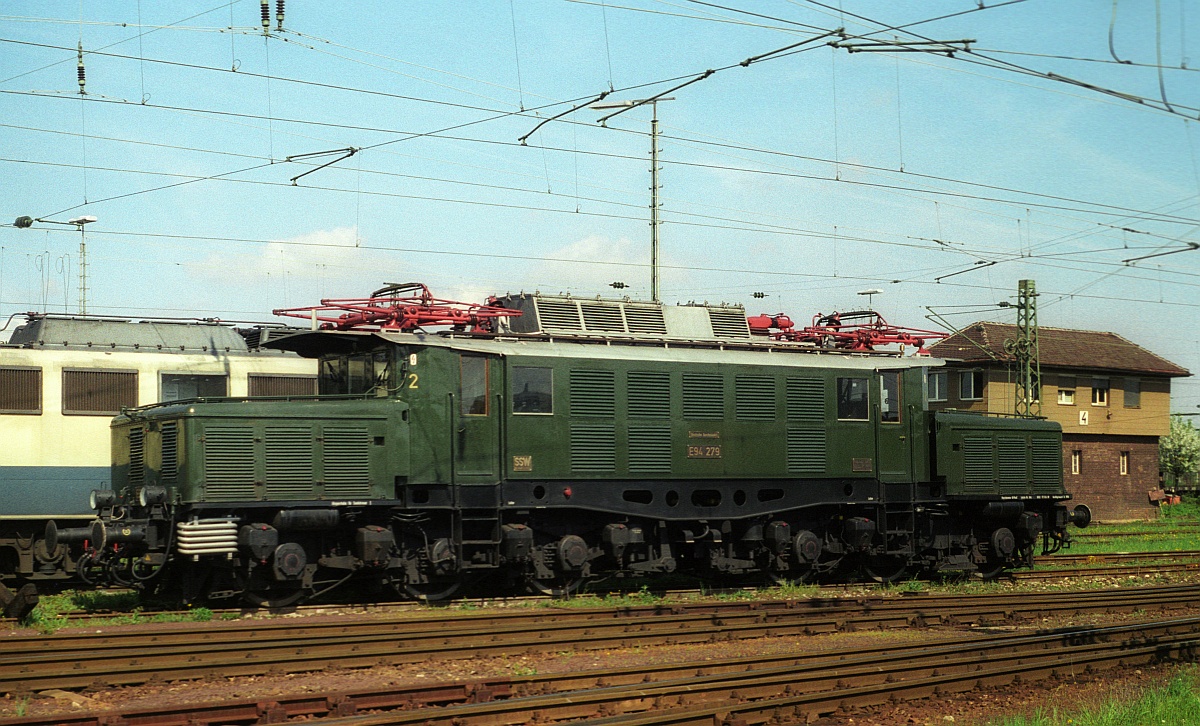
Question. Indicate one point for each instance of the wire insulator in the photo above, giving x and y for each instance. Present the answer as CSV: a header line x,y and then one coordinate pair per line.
x,y
265,7
81,71
279,14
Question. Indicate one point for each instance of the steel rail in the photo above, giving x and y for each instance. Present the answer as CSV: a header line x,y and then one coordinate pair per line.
x,y
1108,571
1110,557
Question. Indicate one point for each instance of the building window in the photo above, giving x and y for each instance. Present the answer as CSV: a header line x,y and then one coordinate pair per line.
x,y
1066,390
1133,393
1124,463
532,390
474,380
970,386
280,384
98,393
1100,392
889,404
178,386
852,399
937,386
21,390
1076,461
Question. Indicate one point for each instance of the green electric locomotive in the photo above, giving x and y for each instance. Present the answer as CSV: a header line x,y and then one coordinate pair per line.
x,y
583,439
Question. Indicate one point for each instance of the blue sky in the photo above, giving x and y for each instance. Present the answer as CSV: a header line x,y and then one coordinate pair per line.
x,y
808,177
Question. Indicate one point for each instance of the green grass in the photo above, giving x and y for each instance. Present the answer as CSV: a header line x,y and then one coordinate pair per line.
x,y
1178,702
103,608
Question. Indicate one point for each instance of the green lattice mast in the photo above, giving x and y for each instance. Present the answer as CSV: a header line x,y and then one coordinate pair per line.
x,y
1025,350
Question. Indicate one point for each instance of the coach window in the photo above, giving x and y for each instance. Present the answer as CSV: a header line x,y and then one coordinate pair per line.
x,y
178,386
532,390
970,386
98,393
20,390
473,386
852,399
281,384
889,403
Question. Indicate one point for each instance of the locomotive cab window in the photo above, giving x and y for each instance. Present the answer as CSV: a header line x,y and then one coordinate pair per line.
x,y
473,386
356,374
889,402
852,399
532,390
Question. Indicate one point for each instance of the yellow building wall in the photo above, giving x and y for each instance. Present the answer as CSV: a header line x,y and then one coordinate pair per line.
x,y
1151,417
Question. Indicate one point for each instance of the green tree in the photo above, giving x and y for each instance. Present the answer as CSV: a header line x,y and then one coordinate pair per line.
x,y
1179,451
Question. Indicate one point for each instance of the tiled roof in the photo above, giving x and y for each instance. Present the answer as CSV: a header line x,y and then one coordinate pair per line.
x,y
1057,348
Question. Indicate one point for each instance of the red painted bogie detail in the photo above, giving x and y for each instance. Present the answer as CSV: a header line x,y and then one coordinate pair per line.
x,y
859,330
405,306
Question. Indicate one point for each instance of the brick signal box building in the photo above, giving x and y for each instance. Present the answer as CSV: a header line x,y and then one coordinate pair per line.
x,y
1112,398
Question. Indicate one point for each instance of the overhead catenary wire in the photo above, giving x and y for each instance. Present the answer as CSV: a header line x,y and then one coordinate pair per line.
x,y
767,56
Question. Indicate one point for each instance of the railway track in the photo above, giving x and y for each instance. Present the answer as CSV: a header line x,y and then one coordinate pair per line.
x,y
783,687
117,657
1154,568
1107,558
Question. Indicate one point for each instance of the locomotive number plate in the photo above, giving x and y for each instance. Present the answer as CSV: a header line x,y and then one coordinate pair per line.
x,y
704,452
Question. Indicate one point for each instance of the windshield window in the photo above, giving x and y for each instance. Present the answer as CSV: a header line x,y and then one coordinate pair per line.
x,y
356,374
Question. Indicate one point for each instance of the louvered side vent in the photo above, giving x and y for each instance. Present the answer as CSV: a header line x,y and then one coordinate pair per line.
x,y
649,449
593,394
593,446
347,462
645,320
754,398
1012,456
289,460
729,322
806,399
1047,465
806,451
558,315
137,457
978,468
602,317
229,463
169,474
649,394
703,397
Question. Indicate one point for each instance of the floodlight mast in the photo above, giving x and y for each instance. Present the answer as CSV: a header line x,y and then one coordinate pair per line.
x,y
654,185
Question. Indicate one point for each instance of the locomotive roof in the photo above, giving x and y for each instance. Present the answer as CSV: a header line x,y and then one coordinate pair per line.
x,y
68,332
750,352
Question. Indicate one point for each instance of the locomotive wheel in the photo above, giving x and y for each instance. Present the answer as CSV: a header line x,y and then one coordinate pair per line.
x,y
273,599
885,568
784,579
432,591
561,586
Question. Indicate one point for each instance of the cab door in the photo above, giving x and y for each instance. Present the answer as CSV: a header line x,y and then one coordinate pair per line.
x,y
476,432
893,428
